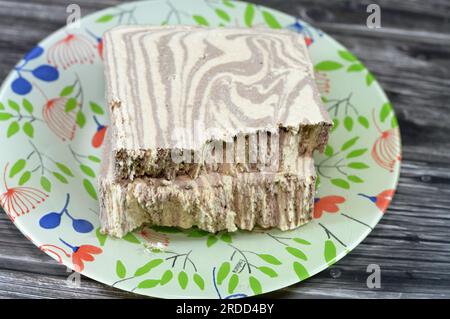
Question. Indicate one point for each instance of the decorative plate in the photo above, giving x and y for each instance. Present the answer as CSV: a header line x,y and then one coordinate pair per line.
x,y
52,125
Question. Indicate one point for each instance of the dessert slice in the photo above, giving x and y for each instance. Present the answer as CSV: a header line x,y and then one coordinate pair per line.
x,y
177,94
212,202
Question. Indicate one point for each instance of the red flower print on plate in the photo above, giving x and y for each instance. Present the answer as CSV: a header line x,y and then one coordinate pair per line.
x,y
82,254
99,41
99,136
382,200
72,49
20,200
54,250
386,149
58,118
327,204
62,123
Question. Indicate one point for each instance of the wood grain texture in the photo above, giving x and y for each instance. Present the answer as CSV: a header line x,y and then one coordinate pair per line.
x,y
410,56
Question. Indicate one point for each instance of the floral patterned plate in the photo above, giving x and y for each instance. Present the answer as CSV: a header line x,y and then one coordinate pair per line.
x,y
52,125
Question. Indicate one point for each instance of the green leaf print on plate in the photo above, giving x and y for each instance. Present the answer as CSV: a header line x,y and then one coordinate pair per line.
x,y
20,119
147,267
353,65
131,238
46,184
270,259
328,66
17,167
270,20
249,15
199,281
148,283
297,253
101,237
223,272
201,20
183,279
300,270
121,271
68,90
329,251
166,277
343,164
255,285
105,18
233,283
268,271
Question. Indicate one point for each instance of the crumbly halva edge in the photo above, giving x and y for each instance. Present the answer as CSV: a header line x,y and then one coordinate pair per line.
x,y
131,164
212,202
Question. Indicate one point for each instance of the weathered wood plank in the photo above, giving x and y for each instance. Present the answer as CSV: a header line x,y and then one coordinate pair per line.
x,y
429,16
17,284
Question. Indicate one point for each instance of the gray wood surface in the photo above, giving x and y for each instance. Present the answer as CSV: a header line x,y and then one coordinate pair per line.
x,y
410,56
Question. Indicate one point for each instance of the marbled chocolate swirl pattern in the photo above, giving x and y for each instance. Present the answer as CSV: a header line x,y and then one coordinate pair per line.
x,y
209,83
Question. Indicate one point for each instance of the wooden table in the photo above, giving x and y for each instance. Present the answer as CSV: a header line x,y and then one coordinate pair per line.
x,y
410,56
